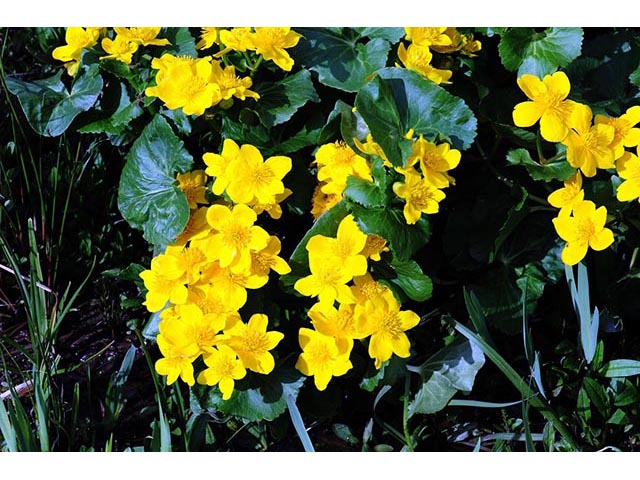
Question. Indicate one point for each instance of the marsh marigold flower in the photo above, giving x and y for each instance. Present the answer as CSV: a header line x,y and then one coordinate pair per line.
x,y
237,39
178,351
336,161
77,39
568,196
420,196
626,133
328,280
119,49
628,167
142,35
382,318
270,42
547,103
218,164
223,368
208,36
418,59
252,343
584,229
589,147
322,357
435,161
428,36
194,185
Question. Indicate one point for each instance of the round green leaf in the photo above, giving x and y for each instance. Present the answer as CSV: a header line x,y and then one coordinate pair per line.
x,y
148,197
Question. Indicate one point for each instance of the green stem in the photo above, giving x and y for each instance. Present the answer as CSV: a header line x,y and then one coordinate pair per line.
x,y
405,414
539,148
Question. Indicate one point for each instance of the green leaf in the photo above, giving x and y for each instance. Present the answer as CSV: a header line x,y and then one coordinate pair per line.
x,y
560,170
452,369
390,34
412,280
148,197
429,109
182,42
366,193
114,118
634,77
340,62
256,135
254,398
377,106
388,374
619,418
280,100
47,104
539,53
621,368
390,224
597,395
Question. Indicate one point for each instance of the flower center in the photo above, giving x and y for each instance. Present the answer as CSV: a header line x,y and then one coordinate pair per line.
x,y
585,229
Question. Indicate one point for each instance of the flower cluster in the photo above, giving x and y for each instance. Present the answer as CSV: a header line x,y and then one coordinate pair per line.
x,y
366,308
269,42
200,283
422,190
195,84
336,162
121,48
591,143
418,55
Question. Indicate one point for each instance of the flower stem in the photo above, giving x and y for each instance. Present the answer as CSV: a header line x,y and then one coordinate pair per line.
x,y
405,414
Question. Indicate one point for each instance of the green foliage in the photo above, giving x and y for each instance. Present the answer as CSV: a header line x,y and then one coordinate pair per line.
x,y
452,369
280,100
149,198
341,57
47,104
259,397
558,170
539,53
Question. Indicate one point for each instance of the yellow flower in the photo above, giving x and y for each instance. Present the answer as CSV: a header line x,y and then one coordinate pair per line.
x,y
142,35
253,178
588,146
77,39
372,148
322,356
327,281
428,36
178,351
208,36
217,165
223,368
346,247
185,83
270,42
626,135
267,259
336,161
584,229
568,196
238,39
548,104
184,264
193,185
459,42
272,208
119,49
420,196
196,227
161,289
252,343
321,201
366,288
338,323
212,301
231,286
381,317
418,59
197,328
374,247
230,84
435,161
628,167
236,235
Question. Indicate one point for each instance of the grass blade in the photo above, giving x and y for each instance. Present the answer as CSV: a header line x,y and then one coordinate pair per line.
x,y
7,430
298,424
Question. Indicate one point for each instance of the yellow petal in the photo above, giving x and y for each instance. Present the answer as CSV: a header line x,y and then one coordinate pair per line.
x,y
525,114
602,240
558,83
574,252
552,127
628,191
531,85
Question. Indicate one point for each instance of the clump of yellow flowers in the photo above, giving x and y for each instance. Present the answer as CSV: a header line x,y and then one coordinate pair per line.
x,y
592,143
365,307
200,283
418,54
